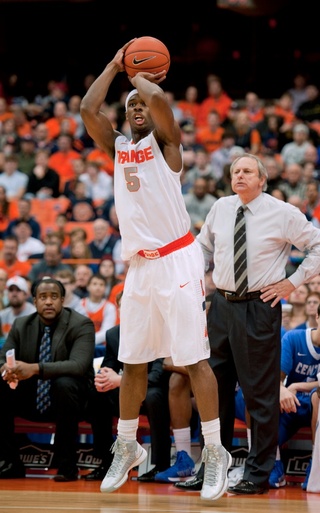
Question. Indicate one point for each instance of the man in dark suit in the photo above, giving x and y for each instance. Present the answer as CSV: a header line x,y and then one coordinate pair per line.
x,y
103,406
69,372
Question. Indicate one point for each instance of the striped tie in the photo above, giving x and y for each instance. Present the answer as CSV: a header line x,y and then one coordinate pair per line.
x,y
240,254
43,388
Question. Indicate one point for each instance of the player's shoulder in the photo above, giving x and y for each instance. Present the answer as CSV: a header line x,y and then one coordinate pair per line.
x,y
294,335
120,139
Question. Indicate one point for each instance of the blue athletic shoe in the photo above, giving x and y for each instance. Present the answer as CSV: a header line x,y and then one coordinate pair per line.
x,y
305,482
277,477
182,470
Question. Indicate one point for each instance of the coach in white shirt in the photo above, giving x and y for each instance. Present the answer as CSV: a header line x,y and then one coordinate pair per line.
x,y
244,331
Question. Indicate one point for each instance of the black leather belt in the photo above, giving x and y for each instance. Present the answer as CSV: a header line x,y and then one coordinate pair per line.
x,y
232,296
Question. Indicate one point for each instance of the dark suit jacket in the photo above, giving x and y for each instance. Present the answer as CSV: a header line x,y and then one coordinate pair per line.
x,y
72,347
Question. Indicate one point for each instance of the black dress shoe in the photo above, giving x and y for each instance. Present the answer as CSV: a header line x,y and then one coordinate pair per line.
x,y
247,488
97,474
194,485
66,475
12,471
148,477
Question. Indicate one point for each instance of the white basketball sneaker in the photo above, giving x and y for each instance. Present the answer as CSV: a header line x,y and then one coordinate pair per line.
x,y
126,456
217,461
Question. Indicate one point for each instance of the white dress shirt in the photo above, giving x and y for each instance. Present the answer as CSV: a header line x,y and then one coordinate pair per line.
x,y
272,228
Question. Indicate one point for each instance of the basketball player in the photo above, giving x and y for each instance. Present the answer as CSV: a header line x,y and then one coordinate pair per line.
x,y
163,305
300,364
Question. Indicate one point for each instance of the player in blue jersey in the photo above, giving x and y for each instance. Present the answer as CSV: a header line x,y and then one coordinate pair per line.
x,y
300,364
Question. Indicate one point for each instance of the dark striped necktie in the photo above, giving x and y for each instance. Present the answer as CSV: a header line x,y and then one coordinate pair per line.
x,y
43,388
240,253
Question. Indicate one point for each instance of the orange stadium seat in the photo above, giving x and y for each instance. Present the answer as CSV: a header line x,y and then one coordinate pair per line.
x,y
46,210
87,226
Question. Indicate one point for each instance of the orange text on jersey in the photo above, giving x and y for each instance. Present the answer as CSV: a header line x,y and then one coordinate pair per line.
x,y
125,157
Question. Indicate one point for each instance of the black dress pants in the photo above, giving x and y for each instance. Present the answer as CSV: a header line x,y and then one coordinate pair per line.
x,y
245,346
68,400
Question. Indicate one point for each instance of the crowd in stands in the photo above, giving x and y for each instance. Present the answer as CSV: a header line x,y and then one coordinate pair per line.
x,y
57,213
46,153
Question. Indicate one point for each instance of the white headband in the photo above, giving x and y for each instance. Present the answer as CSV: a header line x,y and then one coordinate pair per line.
x,y
132,93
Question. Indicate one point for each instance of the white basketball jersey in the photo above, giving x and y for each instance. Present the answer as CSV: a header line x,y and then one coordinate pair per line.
x,y
148,199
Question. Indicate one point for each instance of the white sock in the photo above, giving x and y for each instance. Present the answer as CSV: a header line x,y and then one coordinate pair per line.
x,y
127,429
182,438
249,438
278,455
211,432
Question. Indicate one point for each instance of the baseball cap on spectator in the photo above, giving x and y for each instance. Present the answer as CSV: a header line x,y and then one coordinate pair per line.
x,y
18,282
187,127
300,127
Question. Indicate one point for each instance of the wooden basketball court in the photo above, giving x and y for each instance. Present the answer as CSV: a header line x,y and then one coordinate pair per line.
x,y
43,495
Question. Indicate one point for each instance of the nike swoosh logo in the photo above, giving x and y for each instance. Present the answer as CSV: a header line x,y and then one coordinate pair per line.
x,y
181,286
301,354
136,61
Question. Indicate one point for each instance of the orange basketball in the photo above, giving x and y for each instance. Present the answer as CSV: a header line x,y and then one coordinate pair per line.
x,y
146,54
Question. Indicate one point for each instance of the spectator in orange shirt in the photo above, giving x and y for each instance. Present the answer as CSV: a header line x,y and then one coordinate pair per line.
x,y
284,108
10,262
23,125
190,105
5,112
253,108
245,136
217,99
61,160
61,122
102,158
210,136
100,310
